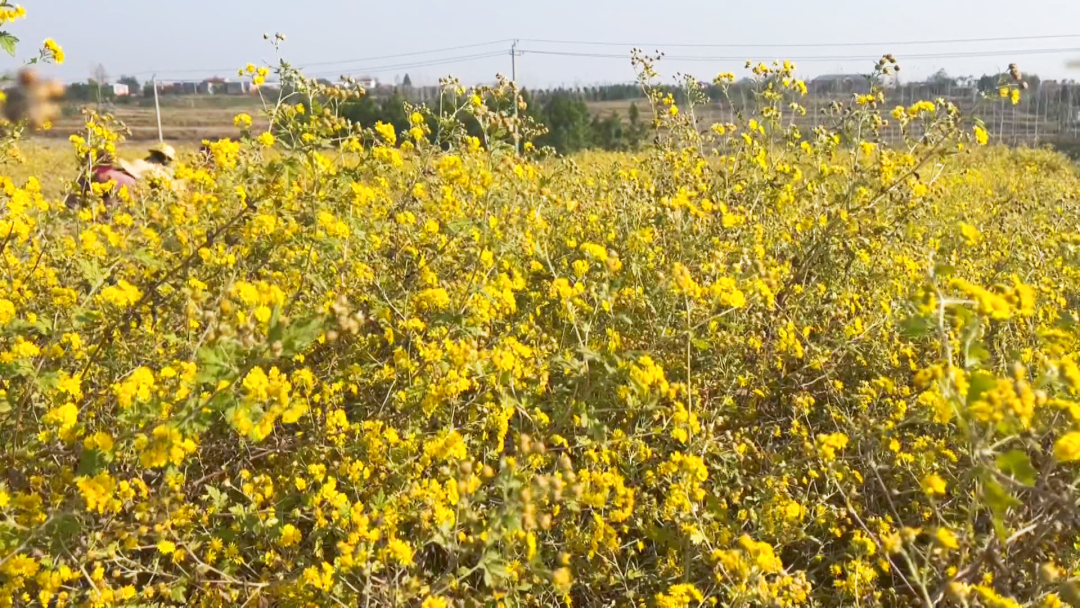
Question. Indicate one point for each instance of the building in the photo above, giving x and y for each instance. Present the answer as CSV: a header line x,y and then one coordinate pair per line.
x,y
120,90
211,86
837,83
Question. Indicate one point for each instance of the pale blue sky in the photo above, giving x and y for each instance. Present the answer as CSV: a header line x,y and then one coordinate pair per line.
x,y
214,37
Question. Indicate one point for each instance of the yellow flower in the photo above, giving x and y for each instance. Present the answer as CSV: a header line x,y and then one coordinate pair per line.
x,y
386,131
166,547
934,485
562,580
981,135
20,566
65,416
290,536
970,233
1067,447
101,441
242,120
828,445
122,295
946,538
55,52
266,139
400,551
7,311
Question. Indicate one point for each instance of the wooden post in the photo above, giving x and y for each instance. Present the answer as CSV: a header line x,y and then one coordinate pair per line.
x,y
157,108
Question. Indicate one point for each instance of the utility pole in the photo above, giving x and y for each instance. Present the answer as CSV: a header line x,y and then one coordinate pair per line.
x,y
157,108
1038,99
516,89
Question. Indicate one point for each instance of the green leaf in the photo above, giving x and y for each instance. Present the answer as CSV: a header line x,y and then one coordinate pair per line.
x,y
91,463
944,270
8,42
980,383
91,271
999,500
494,568
1017,465
62,529
977,354
214,363
179,593
997,497
299,335
915,327
276,329
216,497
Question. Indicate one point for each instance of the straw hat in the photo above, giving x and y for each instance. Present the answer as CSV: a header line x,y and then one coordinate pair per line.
x,y
166,150
135,169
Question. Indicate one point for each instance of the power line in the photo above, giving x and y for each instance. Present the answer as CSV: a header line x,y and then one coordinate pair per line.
x,y
349,65
402,66
798,45
336,62
412,54
813,58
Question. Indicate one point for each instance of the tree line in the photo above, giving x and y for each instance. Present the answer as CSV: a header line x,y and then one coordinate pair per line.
x,y
570,125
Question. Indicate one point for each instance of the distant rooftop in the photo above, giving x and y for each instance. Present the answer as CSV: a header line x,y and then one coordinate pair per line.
x,y
837,77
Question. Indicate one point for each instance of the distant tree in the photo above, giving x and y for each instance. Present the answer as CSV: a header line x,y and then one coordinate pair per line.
x,y
941,76
100,76
132,84
406,82
608,133
568,122
80,91
636,131
87,91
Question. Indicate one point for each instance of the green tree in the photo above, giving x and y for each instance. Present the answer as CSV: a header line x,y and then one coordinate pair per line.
x,y
636,131
85,91
608,133
568,122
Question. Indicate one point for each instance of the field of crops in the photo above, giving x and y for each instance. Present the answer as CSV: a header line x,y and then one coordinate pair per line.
x,y
752,365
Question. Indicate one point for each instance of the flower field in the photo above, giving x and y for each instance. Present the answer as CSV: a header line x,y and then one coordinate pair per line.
x,y
748,366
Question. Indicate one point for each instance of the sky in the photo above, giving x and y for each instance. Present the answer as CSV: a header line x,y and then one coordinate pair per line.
x,y
471,39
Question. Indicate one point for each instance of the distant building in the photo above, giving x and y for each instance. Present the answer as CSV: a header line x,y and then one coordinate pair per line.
x,y
120,90
838,83
211,86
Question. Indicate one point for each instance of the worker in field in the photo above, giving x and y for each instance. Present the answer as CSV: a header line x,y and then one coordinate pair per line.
x,y
157,164
103,171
